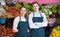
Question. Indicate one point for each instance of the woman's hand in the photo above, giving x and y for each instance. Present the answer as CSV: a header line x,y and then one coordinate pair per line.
x,y
28,30
15,30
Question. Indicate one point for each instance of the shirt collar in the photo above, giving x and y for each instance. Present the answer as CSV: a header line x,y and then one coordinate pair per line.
x,y
36,12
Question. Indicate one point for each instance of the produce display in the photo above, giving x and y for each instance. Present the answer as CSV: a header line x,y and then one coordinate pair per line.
x,y
5,7
6,32
55,32
53,8
13,11
1,9
6,15
10,11
18,5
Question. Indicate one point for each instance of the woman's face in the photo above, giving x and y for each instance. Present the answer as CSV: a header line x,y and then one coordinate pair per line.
x,y
35,7
23,11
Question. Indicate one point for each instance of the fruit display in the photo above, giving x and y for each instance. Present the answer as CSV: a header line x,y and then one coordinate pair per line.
x,y
1,9
10,12
6,32
9,15
6,15
29,7
13,11
5,7
55,32
58,20
18,5
54,8
1,14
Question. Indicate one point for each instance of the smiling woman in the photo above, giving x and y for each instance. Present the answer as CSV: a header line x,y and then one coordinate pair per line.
x,y
20,24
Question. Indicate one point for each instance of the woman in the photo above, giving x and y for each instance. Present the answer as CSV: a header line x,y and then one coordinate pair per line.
x,y
20,24
37,22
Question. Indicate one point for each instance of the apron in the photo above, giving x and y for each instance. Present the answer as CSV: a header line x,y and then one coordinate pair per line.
x,y
22,29
40,31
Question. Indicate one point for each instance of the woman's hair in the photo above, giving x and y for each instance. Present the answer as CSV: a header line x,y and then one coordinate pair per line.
x,y
34,3
26,15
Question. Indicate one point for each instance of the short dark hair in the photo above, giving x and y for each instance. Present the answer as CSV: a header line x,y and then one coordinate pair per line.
x,y
35,3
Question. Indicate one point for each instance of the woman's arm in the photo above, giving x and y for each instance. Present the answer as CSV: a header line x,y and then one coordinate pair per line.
x,y
15,24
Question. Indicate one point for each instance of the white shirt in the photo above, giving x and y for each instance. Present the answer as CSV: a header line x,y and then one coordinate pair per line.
x,y
39,24
16,21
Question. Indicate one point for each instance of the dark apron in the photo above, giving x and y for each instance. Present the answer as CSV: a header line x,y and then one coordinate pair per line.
x,y
40,31
22,29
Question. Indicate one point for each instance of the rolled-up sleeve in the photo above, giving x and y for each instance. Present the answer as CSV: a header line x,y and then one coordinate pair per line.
x,y
15,22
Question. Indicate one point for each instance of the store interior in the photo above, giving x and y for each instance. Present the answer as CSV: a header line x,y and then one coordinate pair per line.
x,y
9,9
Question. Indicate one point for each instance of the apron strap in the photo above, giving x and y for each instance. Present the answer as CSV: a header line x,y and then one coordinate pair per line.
x,y
39,12
20,19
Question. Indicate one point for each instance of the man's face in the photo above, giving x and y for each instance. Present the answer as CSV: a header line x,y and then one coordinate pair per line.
x,y
35,7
